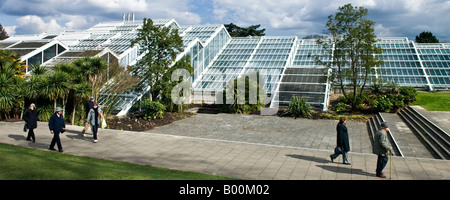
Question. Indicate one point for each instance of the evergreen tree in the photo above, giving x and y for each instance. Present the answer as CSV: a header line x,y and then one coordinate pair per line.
x,y
236,31
161,46
353,37
426,37
3,33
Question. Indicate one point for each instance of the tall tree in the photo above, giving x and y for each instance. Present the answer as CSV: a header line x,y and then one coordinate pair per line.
x,y
11,83
236,31
426,37
351,48
81,93
56,86
91,68
161,46
3,33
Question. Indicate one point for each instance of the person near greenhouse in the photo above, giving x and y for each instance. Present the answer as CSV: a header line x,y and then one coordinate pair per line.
x,y
382,148
31,117
94,119
89,106
56,125
342,142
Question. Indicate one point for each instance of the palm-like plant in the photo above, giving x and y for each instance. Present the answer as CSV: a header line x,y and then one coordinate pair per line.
x,y
91,67
33,86
39,70
81,92
10,86
11,57
57,85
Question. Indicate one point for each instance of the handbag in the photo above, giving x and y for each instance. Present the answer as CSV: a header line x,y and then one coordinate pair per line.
x,y
103,126
338,150
25,128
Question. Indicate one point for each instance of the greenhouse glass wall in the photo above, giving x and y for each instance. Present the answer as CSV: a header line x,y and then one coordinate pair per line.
x,y
287,64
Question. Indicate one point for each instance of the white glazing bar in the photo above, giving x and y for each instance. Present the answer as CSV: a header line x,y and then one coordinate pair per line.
x,y
423,68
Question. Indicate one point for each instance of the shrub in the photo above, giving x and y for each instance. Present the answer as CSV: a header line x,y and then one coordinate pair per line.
x,y
397,101
299,108
409,94
248,106
341,106
45,112
382,104
152,109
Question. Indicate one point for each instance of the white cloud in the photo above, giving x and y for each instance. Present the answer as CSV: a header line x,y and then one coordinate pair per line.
x,y
284,17
382,31
119,5
54,15
35,24
11,30
392,17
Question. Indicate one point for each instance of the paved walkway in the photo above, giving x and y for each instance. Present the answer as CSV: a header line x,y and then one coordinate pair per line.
x,y
407,141
272,130
244,160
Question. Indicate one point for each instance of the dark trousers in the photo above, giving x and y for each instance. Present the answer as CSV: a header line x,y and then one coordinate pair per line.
x,y
56,140
31,134
381,163
344,156
94,131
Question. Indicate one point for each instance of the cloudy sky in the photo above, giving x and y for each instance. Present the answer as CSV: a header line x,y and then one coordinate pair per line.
x,y
280,17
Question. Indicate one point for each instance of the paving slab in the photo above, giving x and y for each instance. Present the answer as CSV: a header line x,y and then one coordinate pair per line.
x,y
243,160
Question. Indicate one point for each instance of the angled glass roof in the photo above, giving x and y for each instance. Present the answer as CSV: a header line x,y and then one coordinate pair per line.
x,y
287,63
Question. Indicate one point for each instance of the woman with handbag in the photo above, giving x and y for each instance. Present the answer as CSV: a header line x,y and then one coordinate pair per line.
x,y
343,144
94,119
31,117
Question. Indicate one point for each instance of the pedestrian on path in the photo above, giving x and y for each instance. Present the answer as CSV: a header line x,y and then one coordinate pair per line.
x,y
89,106
56,125
342,141
31,117
94,119
382,149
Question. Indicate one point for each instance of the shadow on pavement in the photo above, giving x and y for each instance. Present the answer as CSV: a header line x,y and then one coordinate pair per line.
x,y
338,169
309,158
17,137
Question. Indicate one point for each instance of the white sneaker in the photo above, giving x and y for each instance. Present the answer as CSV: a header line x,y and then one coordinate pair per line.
x,y
95,141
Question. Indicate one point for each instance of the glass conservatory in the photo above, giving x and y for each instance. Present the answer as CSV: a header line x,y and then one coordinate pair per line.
x,y
287,64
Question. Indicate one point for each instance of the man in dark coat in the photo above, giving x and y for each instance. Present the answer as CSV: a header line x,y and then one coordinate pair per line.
x,y
56,125
382,148
31,117
342,141
89,106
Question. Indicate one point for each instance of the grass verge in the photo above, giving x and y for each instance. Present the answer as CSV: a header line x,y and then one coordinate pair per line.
x,y
433,101
20,163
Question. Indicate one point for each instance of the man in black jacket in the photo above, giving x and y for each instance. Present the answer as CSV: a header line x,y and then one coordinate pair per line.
x,y
56,125
89,106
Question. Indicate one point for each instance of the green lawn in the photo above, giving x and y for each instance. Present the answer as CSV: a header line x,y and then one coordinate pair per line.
x,y
433,101
19,163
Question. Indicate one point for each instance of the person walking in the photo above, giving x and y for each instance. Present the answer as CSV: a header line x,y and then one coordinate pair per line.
x,y
382,148
89,106
56,125
94,119
342,142
31,117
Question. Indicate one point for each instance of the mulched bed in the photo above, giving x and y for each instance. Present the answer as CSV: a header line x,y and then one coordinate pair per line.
x,y
135,121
